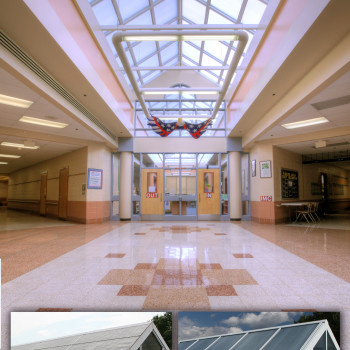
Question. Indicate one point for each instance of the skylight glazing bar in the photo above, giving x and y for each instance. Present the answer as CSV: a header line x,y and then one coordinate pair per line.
x,y
182,67
192,26
268,341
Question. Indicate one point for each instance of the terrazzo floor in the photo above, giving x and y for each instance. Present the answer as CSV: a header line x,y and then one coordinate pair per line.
x,y
174,266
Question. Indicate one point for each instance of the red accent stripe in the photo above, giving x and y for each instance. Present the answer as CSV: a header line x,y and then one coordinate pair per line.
x,y
164,133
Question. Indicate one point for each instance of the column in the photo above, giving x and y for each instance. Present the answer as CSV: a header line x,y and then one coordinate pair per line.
x,y
235,186
125,185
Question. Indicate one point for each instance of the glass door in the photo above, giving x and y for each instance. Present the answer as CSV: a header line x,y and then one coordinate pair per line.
x,y
180,186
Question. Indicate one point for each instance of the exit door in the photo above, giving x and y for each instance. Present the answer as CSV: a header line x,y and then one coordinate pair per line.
x,y
152,194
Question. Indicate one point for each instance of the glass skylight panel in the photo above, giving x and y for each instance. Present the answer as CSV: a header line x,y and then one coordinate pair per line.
x,y
216,48
190,51
253,12
165,11
230,7
144,49
215,18
105,13
208,61
211,77
152,61
169,52
255,340
225,343
291,338
187,62
129,8
193,11
173,61
145,18
330,343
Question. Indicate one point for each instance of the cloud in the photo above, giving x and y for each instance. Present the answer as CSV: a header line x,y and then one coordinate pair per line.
x,y
260,320
189,330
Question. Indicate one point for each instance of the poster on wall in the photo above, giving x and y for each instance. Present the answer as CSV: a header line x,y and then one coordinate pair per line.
x,y
265,168
95,178
289,183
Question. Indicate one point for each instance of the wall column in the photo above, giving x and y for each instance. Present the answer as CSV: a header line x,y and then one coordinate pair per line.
x,y
235,186
125,185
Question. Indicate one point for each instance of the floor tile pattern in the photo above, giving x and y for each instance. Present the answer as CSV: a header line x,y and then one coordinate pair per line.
x,y
115,255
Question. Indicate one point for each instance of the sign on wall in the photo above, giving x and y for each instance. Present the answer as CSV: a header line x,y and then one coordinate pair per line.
x,y
95,178
265,198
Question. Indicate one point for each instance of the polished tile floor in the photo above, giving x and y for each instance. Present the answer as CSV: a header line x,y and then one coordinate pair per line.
x,y
174,266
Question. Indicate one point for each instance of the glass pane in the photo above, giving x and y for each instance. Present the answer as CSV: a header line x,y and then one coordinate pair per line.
x,y
321,345
224,174
105,13
209,182
330,343
172,182
172,160
255,340
292,338
202,344
245,174
136,208
115,208
184,345
165,11
228,6
136,186
208,160
172,207
189,181
253,12
128,8
188,208
245,207
116,169
152,160
225,343
188,160
215,18
152,183
194,11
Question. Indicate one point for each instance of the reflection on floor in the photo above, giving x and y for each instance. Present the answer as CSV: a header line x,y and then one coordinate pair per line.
x,y
175,266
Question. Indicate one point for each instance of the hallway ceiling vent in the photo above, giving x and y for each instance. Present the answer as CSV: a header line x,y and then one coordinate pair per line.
x,y
15,50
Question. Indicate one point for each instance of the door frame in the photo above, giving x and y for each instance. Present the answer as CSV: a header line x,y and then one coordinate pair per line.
x,y
43,194
63,209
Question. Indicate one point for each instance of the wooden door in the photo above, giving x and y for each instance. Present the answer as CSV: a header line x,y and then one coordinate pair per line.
x,y
63,193
43,193
208,191
152,192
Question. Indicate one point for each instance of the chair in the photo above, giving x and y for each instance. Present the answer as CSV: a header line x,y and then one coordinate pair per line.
x,y
314,210
305,213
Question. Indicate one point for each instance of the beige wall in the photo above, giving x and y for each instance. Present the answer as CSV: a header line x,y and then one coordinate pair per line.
x,y
25,183
283,159
261,186
99,157
3,189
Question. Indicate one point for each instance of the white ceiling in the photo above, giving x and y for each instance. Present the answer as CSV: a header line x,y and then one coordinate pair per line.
x,y
338,116
41,108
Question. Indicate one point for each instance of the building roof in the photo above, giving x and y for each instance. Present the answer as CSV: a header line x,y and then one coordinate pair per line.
x,y
305,336
120,338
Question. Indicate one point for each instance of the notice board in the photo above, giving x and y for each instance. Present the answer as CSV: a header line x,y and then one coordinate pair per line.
x,y
289,183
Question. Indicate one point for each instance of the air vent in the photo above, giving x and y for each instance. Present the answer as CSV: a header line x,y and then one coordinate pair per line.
x,y
9,45
335,102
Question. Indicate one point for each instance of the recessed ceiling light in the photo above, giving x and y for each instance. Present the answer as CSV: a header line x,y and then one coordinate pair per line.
x,y
42,122
16,102
18,145
304,123
9,156
3,162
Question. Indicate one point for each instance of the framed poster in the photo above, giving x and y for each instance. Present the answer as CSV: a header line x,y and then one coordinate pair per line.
x,y
253,168
95,178
265,168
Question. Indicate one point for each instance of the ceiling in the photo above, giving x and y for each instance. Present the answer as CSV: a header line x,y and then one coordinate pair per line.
x,y
52,142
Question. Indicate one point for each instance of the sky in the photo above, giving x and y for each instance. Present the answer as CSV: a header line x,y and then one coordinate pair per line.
x,y
28,327
204,324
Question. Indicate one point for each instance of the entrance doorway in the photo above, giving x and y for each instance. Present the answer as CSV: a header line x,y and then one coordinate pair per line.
x,y
152,194
209,194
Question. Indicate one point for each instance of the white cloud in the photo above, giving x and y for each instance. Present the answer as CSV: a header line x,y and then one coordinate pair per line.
x,y
188,330
260,320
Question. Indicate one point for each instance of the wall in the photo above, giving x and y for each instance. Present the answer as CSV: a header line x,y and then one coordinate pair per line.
x,y
98,200
3,192
24,185
262,211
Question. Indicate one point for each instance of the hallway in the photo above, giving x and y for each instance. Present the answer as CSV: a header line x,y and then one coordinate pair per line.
x,y
173,266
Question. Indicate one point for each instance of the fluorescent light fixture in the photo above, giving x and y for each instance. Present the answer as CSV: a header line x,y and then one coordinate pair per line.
x,y
184,118
179,37
13,101
9,156
307,122
172,92
43,122
18,145
3,163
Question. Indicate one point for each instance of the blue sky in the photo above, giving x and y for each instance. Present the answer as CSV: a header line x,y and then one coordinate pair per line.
x,y
203,324
28,327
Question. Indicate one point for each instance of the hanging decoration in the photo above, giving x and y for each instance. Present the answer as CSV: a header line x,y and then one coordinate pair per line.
x,y
164,128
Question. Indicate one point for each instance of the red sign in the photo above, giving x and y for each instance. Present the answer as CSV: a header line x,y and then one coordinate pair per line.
x,y
151,195
209,195
266,198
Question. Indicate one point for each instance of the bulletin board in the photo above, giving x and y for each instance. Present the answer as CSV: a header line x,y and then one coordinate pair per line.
x,y
289,183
